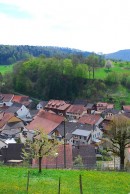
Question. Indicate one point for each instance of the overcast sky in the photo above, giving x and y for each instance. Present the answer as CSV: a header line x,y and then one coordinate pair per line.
x,y
90,25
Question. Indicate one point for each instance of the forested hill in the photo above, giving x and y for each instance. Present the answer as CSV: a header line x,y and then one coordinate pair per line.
x,y
11,54
123,55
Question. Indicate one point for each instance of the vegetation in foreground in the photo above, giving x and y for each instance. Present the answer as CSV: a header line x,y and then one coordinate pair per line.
x,y
14,180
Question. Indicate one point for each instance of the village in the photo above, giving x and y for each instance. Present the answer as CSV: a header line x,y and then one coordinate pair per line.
x,y
81,127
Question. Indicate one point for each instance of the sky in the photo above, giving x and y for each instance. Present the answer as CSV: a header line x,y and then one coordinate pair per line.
x,y
101,26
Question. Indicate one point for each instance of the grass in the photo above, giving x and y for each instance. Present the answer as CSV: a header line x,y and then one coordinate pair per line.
x,y
14,180
101,73
5,68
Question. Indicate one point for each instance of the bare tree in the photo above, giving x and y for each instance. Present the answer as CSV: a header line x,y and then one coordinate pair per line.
x,y
41,147
119,136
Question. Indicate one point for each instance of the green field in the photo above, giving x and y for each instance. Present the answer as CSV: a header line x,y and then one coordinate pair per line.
x,y
120,68
5,68
14,181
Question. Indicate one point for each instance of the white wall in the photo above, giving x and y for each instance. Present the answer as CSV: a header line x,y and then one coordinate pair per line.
x,y
97,133
23,112
7,103
39,106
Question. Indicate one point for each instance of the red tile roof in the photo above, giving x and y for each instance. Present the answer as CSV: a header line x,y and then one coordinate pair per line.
x,y
46,121
126,108
4,118
89,119
50,162
6,97
76,109
105,105
102,104
17,98
21,99
57,104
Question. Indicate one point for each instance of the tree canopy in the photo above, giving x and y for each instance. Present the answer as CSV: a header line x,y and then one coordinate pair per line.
x,y
47,78
119,136
40,147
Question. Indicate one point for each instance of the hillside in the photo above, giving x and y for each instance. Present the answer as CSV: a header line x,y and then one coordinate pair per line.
x,y
123,55
11,54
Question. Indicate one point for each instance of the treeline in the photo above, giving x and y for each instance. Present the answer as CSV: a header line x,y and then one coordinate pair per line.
x,y
57,78
12,54
114,78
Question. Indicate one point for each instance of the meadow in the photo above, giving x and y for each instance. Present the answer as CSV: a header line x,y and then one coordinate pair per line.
x,y
118,67
14,180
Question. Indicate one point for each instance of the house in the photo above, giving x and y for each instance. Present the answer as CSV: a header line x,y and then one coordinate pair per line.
x,y
41,105
20,111
126,108
67,128
74,112
101,106
90,108
96,134
105,124
110,112
4,118
2,144
57,106
12,152
6,99
10,126
89,119
80,136
74,133
87,153
24,100
45,121
57,161
3,108
95,121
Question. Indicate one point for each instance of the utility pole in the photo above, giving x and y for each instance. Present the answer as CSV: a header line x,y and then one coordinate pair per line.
x,y
64,147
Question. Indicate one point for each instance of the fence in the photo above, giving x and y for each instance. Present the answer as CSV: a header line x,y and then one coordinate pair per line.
x,y
58,181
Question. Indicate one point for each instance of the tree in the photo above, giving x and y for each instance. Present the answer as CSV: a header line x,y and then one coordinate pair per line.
x,y
113,78
119,136
108,64
40,147
92,61
78,162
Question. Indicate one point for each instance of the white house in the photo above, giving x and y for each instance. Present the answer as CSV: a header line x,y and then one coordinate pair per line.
x,y
23,112
80,136
85,136
6,99
20,111
96,134
41,104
